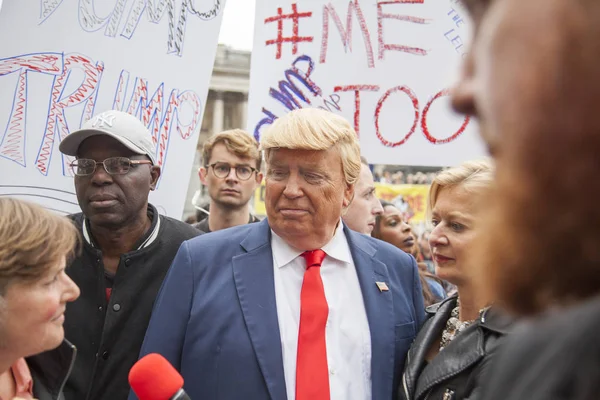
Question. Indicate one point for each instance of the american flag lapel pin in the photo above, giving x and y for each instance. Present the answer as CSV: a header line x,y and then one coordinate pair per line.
x,y
383,287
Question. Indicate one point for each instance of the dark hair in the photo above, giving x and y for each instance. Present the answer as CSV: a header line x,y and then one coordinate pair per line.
x,y
427,294
428,297
377,228
385,203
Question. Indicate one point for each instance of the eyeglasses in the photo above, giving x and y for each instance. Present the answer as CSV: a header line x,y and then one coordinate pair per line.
x,y
221,170
113,165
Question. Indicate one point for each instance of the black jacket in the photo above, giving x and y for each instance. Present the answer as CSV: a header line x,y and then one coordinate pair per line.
x,y
50,370
109,334
555,357
455,373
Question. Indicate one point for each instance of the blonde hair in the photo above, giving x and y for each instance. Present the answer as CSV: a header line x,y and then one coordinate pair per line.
x,y
472,176
315,129
237,141
32,239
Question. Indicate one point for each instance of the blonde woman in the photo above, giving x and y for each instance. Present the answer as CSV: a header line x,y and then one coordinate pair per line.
x,y
34,291
454,346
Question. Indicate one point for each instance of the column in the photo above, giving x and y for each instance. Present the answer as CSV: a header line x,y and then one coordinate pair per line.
x,y
244,112
218,113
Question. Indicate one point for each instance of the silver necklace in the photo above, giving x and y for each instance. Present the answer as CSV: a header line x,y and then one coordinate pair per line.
x,y
454,326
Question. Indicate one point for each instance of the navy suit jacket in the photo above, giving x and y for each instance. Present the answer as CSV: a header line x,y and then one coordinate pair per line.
x,y
215,318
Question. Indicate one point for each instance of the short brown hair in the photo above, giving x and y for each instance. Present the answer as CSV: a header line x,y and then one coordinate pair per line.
x,y
237,141
33,240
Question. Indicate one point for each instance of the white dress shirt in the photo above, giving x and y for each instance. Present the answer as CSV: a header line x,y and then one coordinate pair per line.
x,y
347,334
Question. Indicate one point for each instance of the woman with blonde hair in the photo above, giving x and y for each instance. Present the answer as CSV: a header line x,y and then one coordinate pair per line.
x,y
34,291
462,333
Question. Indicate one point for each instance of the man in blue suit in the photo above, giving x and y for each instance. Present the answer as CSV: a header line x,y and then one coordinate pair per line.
x,y
297,306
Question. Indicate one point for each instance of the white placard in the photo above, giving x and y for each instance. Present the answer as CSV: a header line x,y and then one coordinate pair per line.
x,y
385,65
62,61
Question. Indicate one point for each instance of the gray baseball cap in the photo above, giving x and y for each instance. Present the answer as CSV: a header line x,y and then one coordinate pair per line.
x,y
119,125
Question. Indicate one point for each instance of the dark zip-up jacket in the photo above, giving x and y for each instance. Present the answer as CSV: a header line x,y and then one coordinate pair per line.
x,y
109,332
456,372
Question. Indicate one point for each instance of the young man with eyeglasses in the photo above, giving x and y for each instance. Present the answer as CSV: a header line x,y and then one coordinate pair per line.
x,y
231,173
126,252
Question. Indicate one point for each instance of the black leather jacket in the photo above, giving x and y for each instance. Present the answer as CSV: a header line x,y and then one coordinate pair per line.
x,y
455,373
50,370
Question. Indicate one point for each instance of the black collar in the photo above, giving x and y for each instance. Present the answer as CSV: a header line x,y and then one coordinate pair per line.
x,y
145,240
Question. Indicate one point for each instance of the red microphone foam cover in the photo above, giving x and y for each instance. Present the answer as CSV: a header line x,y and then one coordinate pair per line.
x,y
154,378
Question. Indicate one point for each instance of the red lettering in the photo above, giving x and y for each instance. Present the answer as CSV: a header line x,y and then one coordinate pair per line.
x,y
381,16
12,143
357,89
415,102
158,119
346,34
295,38
419,116
86,92
425,128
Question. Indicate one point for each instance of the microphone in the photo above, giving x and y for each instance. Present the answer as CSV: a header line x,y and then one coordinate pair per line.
x,y
153,378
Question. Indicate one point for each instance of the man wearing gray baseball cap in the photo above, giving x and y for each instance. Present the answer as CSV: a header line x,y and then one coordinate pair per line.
x,y
127,250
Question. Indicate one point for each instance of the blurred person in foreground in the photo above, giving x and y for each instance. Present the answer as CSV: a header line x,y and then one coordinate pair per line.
x,y
532,77
35,245
365,207
231,173
453,350
296,306
392,228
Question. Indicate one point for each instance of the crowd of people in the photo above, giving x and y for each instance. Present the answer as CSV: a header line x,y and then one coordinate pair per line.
x,y
401,178
332,296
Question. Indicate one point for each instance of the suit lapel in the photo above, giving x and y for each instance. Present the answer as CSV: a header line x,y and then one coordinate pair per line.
x,y
254,280
380,313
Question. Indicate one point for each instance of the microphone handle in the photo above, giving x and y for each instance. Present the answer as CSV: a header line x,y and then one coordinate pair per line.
x,y
180,395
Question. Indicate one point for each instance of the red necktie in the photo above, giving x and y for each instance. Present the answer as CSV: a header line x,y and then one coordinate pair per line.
x,y
312,374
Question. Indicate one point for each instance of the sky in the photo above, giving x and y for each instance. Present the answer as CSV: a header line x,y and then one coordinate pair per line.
x,y
237,27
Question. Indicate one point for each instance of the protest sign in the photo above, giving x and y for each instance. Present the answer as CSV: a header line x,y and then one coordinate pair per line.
x,y
386,65
63,61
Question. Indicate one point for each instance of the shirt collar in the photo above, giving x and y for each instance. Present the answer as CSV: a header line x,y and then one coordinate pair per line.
x,y
146,240
336,248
